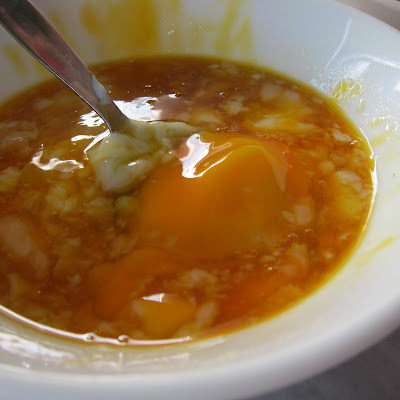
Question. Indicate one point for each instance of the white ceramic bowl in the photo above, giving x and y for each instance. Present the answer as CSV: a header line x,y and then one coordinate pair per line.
x,y
317,42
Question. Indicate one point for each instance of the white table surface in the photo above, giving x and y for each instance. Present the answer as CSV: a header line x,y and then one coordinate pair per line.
x,y
374,374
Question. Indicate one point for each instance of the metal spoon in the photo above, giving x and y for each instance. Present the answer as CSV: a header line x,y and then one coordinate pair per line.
x,y
36,34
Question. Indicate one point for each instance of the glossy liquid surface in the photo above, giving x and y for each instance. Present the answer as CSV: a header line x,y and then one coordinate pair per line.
x,y
244,218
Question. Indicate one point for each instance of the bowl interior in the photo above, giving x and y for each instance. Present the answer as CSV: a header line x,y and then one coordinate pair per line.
x,y
339,51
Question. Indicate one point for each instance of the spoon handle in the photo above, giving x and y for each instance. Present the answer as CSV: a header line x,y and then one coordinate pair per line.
x,y
38,36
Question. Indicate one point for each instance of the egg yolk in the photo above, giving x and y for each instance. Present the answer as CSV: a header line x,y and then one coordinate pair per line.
x,y
223,195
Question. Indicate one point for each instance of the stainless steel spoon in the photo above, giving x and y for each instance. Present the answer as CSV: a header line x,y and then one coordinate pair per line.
x,y
37,35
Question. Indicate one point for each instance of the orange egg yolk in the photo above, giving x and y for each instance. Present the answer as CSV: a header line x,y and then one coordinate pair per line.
x,y
223,195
